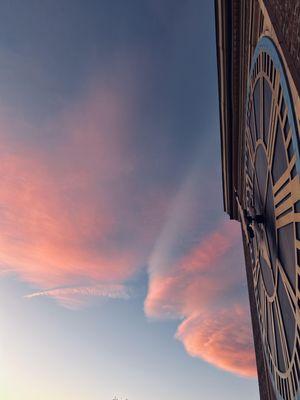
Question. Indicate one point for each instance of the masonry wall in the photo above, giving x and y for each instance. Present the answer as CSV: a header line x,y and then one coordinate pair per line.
x,y
285,16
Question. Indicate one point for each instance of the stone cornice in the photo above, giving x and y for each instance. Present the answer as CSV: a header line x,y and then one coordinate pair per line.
x,y
228,36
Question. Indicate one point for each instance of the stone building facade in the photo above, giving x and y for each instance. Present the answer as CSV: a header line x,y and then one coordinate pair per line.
x,y
258,55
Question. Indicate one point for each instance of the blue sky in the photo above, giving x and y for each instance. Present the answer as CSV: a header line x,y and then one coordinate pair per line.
x,y
120,273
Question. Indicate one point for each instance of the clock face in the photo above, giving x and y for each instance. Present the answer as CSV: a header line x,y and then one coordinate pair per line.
x,y
272,191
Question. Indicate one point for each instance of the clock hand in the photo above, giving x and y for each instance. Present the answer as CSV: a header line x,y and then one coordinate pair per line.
x,y
248,219
264,249
261,231
259,209
245,220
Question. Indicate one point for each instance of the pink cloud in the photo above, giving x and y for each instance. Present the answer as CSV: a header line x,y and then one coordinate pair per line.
x,y
201,288
201,276
67,214
221,337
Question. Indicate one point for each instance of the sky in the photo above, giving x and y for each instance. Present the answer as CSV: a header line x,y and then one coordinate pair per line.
x,y
120,274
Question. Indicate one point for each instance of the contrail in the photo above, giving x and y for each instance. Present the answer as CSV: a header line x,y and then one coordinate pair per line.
x,y
113,291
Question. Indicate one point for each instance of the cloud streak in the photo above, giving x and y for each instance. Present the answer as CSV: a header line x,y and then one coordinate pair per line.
x,y
77,297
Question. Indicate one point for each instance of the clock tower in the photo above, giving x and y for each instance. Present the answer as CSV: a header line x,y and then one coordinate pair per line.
x,y
258,51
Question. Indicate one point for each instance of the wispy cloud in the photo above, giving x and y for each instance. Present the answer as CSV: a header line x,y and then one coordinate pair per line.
x,y
67,213
77,297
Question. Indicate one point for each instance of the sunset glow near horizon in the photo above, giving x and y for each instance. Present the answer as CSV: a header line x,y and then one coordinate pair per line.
x,y
120,274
